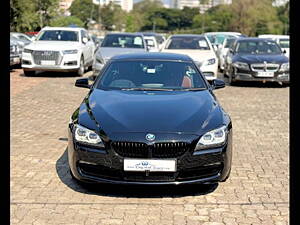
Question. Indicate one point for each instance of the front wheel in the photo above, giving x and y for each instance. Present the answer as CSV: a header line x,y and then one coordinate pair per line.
x,y
80,71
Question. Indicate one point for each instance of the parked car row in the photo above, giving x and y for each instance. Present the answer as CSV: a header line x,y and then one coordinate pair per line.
x,y
72,49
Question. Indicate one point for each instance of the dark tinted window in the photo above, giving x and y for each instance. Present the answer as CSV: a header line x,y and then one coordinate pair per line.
x,y
151,74
123,41
229,42
58,35
257,47
188,43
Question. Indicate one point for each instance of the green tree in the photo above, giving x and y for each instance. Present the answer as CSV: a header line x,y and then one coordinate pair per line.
x,y
85,10
113,17
28,15
64,21
253,17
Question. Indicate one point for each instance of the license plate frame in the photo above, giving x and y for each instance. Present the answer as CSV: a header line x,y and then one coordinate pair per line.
x,y
152,165
47,62
265,74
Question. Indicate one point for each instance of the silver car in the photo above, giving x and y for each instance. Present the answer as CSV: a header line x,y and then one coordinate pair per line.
x,y
115,44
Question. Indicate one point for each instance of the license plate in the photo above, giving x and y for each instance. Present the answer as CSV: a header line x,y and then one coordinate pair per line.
x,y
265,74
16,60
47,63
168,165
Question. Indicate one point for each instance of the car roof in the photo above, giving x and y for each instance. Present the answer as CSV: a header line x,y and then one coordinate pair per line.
x,y
187,35
64,28
153,56
125,33
213,33
253,39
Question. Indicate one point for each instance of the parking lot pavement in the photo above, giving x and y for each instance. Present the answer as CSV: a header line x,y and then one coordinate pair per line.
x,y
42,191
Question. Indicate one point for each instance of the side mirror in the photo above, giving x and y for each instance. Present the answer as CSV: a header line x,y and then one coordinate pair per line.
x,y
231,51
84,40
284,51
217,83
83,82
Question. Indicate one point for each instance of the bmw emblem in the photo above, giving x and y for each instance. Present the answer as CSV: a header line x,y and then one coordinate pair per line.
x,y
150,137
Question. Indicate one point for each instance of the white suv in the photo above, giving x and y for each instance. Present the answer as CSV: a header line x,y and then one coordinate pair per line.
x,y
65,49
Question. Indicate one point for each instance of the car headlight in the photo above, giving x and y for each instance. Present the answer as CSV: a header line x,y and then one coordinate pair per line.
x,y
99,59
241,65
85,135
210,62
213,138
73,51
285,67
26,50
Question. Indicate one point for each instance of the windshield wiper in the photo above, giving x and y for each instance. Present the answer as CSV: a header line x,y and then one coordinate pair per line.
x,y
192,89
147,89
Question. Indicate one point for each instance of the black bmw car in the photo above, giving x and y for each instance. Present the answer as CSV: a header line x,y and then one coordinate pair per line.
x,y
153,119
257,59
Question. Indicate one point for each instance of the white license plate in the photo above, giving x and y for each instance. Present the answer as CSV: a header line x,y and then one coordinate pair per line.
x,y
16,60
47,63
265,74
168,165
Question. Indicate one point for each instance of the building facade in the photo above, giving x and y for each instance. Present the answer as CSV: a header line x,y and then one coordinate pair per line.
x,y
180,4
126,5
64,6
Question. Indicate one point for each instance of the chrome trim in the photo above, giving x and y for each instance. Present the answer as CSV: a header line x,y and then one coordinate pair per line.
x,y
38,56
264,67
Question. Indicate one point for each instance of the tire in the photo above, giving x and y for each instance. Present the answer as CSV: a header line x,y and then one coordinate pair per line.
x,y
81,69
29,73
231,80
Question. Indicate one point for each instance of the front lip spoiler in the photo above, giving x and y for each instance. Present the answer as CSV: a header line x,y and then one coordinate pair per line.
x,y
93,179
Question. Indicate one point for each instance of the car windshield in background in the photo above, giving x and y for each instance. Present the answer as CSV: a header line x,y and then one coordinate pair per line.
x,y
123,41
58,35
151,75
188,43
229,42
284,43
258,47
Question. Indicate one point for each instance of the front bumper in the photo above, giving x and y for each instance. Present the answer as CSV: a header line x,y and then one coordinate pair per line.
x,y
97,67
95,165
246,75
14,60
68,63
210,71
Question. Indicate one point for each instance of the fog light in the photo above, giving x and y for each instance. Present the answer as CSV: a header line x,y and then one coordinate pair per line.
x,y
26,62
70,63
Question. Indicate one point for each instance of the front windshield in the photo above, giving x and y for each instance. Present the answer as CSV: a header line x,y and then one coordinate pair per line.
x,y
188,43
284,43
122,41
258,47
58,35
151,75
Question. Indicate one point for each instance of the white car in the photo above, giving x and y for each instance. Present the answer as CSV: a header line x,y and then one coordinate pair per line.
x,y
282,40
198,48
151,44
64,49
223,50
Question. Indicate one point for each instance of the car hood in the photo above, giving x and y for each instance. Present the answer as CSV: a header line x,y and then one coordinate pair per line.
x,y
152,111
250,58
107,52
54,45
196,55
